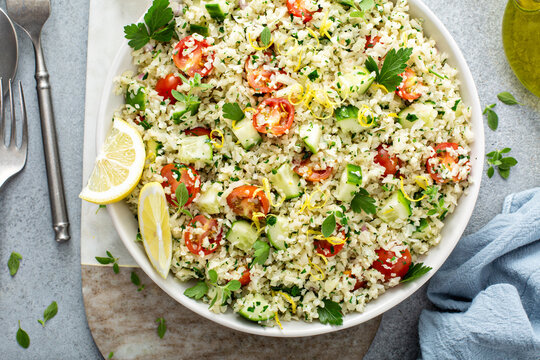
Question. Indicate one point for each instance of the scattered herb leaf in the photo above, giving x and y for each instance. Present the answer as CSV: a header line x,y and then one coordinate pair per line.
x,y
415,271
136,281
49,313
198,291
503,164
328,225
233,112
266,36
507,98
262,251
330,313
362,201
14,262
492,117
158,25
22,337
162,327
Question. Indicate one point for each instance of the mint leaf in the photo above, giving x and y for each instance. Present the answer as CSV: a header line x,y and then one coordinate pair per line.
x,y
104,260
328,225
49,313
198,291
330,313
507,98
415,271
136,281
182,195
262,251
233,112
212,274
233,285
492,117
266,36
366,5
14,262
162,327
22,337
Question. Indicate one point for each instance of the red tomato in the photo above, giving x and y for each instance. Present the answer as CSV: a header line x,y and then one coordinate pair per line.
x,y
298,8
139,119
260,79
179,173
326,249
391,266
245,278
190,56
246,200
390,163
305,170
198,131
372,41
210,230
359,285
444,159
166,85
274,116
408,90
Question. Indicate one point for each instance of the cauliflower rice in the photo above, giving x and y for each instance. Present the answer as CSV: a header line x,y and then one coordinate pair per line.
x,y
317,277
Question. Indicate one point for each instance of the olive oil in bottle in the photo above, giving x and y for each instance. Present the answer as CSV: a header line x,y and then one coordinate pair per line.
x,y
521,40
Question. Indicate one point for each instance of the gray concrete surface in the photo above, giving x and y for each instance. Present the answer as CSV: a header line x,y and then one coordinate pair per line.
x,y
51,271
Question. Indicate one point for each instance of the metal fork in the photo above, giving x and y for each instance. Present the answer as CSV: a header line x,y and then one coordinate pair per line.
x,y
12,157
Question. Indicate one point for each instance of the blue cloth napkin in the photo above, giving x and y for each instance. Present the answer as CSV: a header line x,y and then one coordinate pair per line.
x,y
489,290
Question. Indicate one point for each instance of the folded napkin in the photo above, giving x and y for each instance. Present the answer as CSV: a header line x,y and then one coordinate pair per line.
x,y
489,290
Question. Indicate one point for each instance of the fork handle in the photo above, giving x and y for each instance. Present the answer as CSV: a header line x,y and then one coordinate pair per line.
x,y
50,147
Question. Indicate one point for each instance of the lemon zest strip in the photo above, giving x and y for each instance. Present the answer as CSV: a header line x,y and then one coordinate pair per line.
x,y
362,116
266,188
220,133
276,317
321,275
260,48
289,299
323,257
381,87
405,194
333,240
422,185
394,115
234,127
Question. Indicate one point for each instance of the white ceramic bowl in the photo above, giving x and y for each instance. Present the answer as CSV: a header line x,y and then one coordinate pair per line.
x,y
126,224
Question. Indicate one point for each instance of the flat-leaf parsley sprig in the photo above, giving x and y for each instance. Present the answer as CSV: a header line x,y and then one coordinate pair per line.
x,y
158,25
331,313
394,64
363,202
415,271
503,164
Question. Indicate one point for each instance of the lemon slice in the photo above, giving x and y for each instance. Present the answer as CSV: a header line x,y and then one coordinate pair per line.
x,y
155,228
118,166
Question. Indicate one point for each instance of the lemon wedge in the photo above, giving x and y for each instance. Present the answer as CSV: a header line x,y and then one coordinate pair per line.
x,y
118,166
155,228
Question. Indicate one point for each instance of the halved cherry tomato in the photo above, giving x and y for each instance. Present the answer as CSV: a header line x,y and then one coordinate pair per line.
x,y
444,158
203,228
408,89
246,200
358,284
372,41
298,8
305,170
391,266
260,78
326,249
179,173
390,163
198,131
245,278
274,116
190,56
165,85
139,119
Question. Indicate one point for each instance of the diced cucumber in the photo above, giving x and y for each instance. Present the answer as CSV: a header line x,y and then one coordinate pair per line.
x,y
242,235
346,190
181,110
311,134
246,134
286,181
199,29
417,111
277,231
208,200
356,82
218,10
354,174
396,207
347,119
153,147
138,99
256,308
194,149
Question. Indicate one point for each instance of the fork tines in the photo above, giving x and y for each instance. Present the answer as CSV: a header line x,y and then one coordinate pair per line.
x,y
11,143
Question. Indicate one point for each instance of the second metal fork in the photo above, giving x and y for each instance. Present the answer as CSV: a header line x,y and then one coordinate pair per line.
x,y
12,157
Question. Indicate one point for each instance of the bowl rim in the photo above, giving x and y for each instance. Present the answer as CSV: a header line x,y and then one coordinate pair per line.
x,y
376,307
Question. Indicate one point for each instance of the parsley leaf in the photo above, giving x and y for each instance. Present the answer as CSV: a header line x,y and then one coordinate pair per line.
x,y
49,313
415,271
266,36
328,225
262,251
492,117
507,98
394,64
22,337
162,327
503,164
362,201
158,24
14,262
330,313
198,291
233,112
136,281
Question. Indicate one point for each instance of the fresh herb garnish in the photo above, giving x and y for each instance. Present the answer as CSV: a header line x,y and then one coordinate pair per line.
x,y
162,327
456,104
111,354
233,112
136,281
262,251
198,291
503,164
394,64
49,313
328,225
272,220
330,313
100,207
14,262
266,36
226,289
507,98
314,75
22,337
362,201
415,271
492,117
158,25
109,260
293,290
438,208
360,9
